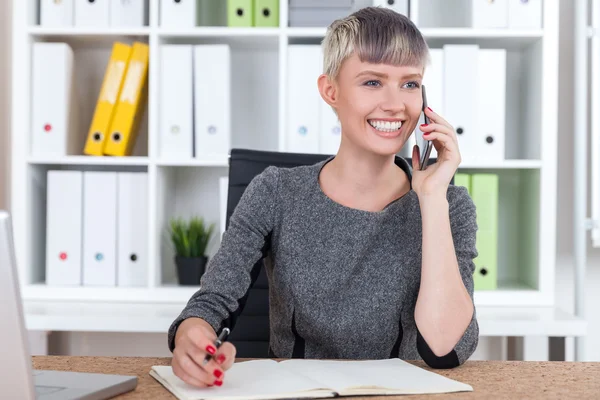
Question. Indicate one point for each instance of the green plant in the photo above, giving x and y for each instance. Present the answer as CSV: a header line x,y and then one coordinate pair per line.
x,y
190,238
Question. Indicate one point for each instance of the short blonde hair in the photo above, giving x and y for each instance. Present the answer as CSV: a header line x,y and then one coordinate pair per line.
x,y
377,35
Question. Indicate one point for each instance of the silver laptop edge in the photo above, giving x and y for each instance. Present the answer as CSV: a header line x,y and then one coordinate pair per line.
x,y
18,380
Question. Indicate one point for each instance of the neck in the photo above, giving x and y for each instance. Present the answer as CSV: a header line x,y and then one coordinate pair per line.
x,y
364,172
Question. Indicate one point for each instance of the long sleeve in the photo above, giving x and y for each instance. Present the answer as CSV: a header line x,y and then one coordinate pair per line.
x,y
229,274
463,222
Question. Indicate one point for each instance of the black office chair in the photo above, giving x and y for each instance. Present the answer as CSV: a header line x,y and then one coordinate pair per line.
x,y
250,333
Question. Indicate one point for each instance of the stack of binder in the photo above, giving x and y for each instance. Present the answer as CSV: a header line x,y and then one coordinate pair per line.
x,y
121,102
234,13
95,228
312,125
87,13
484,190
511,14
317,13
194,114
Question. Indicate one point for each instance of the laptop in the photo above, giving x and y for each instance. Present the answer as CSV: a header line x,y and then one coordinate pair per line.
x,y
18,379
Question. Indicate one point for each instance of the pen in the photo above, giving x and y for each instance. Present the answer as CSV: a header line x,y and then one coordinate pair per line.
x,y
218,342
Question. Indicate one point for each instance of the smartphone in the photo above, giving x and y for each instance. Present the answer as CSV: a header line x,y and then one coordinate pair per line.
x,y
425,145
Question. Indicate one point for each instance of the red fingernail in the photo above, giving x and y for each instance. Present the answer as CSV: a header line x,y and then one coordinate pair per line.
x,y
210,349
218,383
426,133
429,108
217,373
423,125
221,358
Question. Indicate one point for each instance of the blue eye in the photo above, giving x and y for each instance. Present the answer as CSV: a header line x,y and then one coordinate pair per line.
x,y
415,83
372,83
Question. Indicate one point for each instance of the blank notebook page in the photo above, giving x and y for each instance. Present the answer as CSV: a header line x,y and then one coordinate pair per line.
x,y
394,374
245,380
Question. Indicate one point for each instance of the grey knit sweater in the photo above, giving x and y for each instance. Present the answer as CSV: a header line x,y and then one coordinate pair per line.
x,y
343,283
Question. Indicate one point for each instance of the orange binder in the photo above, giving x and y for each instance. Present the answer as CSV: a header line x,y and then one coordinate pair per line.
x,y
109,93
125,124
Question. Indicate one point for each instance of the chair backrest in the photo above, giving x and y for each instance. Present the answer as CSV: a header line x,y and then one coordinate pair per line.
x,y
250,333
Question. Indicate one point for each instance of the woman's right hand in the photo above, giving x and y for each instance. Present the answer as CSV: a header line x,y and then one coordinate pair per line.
x,y
193,341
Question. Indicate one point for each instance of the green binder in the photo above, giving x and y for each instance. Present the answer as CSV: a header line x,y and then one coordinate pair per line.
x,y
266,13
240,13
484,189
462,179
211,13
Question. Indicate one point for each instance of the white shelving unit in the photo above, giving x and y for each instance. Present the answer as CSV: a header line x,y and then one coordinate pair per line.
x,y
184,187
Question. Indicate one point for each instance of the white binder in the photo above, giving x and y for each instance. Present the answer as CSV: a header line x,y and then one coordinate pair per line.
x,y
303,98
491,106
176,111
54,115
56,13
99,228
434,86
525,14
330,132
400,6
130,13
212,106
63,228
132,228
223,192
92,13
178,13
460,94
489,14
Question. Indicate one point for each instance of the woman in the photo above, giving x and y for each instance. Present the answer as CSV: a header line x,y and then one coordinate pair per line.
x,y
369,259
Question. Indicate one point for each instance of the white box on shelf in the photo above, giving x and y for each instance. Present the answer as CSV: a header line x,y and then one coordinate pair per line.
x,y
489,14
303,98
56,13
525,14
54,112
212,106
330,129
460,94
132,229
99,228
128,13
180,14
491,105
92,13
400,6
64,194
176,111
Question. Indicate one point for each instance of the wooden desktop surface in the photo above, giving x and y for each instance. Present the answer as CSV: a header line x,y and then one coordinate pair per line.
x,y
489,379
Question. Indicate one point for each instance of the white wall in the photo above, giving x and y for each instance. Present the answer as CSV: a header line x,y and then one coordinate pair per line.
x,y
156,345
5,46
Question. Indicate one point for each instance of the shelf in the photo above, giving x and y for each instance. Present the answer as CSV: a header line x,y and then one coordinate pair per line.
x,y
219,31
216,162
42,31
156,318
90,160
166,295
505,164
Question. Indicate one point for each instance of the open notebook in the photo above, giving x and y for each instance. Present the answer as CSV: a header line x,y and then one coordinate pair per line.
x,y
298,378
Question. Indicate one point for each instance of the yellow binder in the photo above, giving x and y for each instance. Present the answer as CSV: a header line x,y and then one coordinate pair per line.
x,y
109,93
125,124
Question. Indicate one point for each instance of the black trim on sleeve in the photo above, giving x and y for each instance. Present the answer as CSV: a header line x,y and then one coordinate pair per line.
x,y
448,361
299,345
395,353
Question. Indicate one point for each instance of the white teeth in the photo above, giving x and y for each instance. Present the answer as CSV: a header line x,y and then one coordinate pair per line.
x,y
385,126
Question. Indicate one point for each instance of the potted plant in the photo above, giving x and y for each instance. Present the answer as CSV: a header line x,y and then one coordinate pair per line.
x,y
190,239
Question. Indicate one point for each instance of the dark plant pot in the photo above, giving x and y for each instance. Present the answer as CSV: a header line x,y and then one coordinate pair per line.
x,y
190,269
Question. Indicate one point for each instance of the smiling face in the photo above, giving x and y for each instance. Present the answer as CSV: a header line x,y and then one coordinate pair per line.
x,y
373,67
378,104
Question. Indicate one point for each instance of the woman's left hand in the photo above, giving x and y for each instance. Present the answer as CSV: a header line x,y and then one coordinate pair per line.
x,y
436,177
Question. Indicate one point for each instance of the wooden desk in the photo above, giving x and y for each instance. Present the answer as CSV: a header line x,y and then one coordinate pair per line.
x,y
490,379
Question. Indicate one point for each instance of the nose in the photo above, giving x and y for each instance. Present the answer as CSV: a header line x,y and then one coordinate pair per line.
x,y
393,101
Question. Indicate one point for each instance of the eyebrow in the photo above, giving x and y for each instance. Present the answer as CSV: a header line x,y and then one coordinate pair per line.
x,y
382,75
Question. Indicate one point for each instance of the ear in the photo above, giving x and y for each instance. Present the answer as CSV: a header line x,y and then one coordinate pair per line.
x,y
328,90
